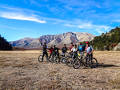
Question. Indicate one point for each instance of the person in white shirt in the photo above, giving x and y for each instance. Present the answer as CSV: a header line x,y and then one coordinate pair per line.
x,y
89,50
74,48
74,51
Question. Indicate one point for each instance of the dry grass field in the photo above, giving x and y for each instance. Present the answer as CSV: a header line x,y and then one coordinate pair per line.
x,y
20,70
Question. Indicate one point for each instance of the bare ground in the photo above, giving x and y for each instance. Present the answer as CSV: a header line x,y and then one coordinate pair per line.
x,y
20,70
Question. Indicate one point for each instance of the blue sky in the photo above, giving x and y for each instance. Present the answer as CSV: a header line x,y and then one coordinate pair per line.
x,y
33,18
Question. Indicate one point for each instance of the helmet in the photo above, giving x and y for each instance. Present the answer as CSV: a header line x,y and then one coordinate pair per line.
x,y
87,42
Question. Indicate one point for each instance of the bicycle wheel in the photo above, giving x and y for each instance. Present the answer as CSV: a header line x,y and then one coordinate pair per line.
x,y
87,62
40,58
57,59
71,62
63,60
51,59
68,60
76,65
94,63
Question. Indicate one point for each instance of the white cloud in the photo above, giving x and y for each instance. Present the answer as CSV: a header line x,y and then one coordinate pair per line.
x,y
69,25
20,16
99,28
89,26
84,25
28,15
116,20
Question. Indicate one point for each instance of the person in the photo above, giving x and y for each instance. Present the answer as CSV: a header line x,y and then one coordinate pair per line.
x,y
74,51
71,46
81,48
74,48
56,50
64,50
44,51
89,50
50,51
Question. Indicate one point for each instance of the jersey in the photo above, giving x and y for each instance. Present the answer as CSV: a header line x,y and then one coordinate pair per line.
x,y
89,49
64,49
44,48
80,48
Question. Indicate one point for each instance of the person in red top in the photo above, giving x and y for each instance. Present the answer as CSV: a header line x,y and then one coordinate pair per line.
x,y
50,51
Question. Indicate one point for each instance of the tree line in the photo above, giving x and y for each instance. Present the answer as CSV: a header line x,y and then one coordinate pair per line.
x,y
4,44
107,41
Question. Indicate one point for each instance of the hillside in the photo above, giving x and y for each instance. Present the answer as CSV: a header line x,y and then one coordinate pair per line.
x,y
60,39
108,40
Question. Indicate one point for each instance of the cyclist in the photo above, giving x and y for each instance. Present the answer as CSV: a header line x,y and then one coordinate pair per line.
x,y
64,50
56,51
51,51
71,46
74,50
44,51
81,48
89,50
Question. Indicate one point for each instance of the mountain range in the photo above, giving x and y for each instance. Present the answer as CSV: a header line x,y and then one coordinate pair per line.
x,y
60,39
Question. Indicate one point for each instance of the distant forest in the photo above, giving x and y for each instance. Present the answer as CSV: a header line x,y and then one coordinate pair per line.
x,y
4,44
107,41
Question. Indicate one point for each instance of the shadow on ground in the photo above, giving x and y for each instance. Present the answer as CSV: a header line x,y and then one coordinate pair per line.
x,y
106,65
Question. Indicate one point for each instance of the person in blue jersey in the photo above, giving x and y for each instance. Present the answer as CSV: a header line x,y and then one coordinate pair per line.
x,y
80,47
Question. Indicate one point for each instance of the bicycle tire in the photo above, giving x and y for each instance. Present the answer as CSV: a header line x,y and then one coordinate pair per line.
x,y
77,64
68,61
71,62
56,59
51,59
40,58
63,60
94,62
87,62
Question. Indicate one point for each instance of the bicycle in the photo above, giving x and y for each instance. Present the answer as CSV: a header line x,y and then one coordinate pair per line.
x,y
91,62
71,58
54,58
85,61
80,61
64,58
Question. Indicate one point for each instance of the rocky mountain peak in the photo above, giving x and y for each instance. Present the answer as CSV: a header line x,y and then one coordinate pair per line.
x,y
60,39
